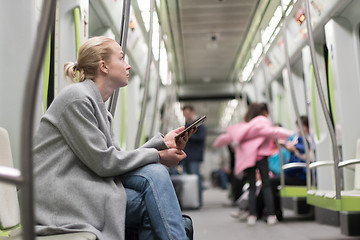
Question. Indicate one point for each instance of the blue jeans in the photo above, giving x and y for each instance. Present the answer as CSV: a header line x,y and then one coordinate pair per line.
x,y
152,205
193,167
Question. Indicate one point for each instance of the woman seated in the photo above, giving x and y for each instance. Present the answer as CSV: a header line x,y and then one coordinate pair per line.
x,y
83,180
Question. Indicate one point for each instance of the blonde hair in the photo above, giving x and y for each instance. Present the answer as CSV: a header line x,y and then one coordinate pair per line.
x,y
90,53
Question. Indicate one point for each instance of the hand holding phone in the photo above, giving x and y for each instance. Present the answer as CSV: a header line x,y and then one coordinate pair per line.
x,y
194,125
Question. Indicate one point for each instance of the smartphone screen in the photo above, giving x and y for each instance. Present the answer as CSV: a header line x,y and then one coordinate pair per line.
x,y
192,126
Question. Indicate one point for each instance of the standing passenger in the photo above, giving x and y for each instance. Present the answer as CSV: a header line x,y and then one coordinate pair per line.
x,y
84,181
253,141
194,148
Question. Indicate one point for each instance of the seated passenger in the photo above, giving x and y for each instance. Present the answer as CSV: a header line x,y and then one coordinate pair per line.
x,y
295,145
83,180
293,176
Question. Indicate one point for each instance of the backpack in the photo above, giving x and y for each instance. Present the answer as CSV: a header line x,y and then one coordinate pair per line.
x,y
274,161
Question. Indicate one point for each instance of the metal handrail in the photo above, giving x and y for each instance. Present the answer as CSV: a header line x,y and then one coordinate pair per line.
x,y
294,101
294,165
340,165
123,39
33,76
322,100
349,162
321,164
147,78
10,175
281,161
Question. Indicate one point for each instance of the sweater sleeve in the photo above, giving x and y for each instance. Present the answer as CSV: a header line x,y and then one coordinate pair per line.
x,y
262,127
223,140
79,126
156,142
272,132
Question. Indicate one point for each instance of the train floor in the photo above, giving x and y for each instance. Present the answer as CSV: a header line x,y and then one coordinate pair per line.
x,y
213,222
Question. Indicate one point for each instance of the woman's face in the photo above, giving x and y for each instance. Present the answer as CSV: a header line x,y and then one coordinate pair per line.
x,y
118,68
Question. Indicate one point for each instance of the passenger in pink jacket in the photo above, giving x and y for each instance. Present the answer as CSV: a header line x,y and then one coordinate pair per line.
x,y
252,140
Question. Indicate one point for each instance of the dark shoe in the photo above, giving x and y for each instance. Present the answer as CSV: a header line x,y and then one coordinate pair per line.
x,y
279,215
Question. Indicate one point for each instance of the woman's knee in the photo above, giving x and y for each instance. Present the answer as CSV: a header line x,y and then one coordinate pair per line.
x,y
147,175
154,171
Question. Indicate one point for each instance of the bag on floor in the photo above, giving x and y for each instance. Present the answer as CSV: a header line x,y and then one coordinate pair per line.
x,y
187,190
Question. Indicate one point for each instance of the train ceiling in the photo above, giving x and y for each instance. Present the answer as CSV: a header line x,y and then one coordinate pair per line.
x,y
207,36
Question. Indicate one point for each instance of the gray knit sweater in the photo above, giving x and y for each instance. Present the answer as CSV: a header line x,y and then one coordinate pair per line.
x,y
75,162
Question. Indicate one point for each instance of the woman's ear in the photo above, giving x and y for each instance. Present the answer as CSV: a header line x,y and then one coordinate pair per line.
x,y
103,67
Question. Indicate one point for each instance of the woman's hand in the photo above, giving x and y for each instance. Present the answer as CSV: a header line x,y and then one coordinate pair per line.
x,y
171,157
169,138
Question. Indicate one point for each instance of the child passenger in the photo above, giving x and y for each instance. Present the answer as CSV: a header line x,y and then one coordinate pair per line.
x,y
253,140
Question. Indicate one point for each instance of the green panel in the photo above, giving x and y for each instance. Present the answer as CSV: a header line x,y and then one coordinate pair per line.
x,y
77,35
350,203
293,191
313,103
77,30
123,115
143,135
46,72
331,90
346,203
328,203
5,232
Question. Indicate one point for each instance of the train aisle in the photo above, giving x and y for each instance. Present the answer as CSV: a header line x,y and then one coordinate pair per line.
x,y
213,222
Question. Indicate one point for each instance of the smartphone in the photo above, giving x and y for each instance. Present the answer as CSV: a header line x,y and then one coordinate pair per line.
x,y
192,126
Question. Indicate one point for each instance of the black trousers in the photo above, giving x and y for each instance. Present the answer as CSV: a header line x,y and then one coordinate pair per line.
x,y
263,167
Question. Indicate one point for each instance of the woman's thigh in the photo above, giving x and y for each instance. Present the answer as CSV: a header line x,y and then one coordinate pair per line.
x,y
151,174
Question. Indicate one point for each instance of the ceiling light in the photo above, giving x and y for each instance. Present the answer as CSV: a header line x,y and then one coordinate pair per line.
x,y
247,70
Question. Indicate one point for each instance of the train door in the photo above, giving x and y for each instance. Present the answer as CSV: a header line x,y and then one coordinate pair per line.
x,y
317,119
343,83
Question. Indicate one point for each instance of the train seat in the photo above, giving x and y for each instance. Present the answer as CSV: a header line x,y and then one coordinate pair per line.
x,y
294,197
327,199
10,228
349,201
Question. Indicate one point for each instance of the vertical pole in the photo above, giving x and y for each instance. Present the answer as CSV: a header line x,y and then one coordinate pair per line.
x,y
123,38
322,100
27,199
295,105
